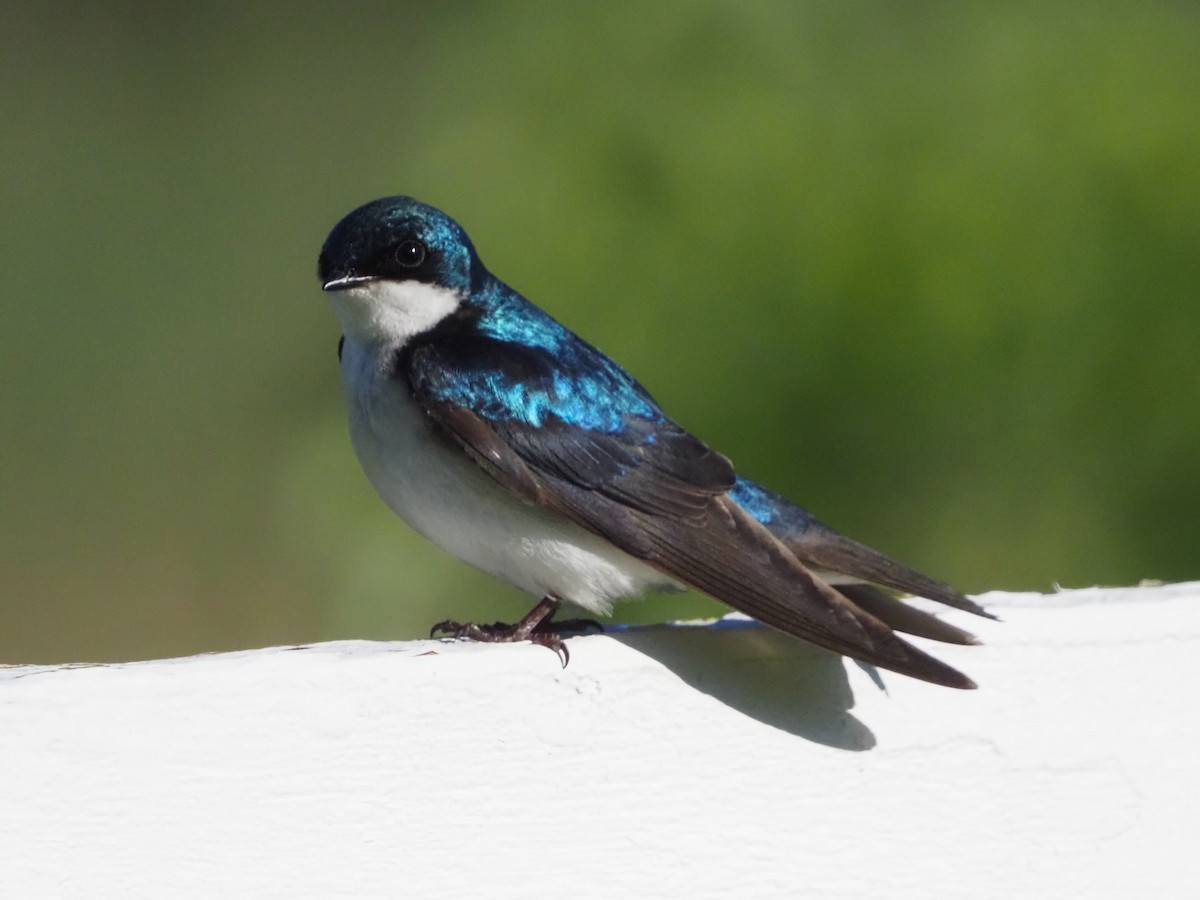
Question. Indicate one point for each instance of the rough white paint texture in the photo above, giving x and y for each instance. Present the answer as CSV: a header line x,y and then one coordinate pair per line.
x,y
683,761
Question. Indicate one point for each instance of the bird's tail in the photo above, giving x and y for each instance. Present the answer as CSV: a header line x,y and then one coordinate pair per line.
x,y
857,571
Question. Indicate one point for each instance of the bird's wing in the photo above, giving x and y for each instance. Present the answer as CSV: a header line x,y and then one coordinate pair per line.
x,y
826,551
569,430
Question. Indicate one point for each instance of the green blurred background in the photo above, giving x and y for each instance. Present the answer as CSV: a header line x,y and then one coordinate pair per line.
x,y
933,270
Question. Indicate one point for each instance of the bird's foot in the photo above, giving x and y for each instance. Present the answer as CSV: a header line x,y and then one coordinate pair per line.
x,y
537,627
570,627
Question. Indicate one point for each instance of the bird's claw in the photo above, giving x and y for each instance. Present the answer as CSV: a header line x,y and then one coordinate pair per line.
x,y
569,627
500,633
537,627
469,631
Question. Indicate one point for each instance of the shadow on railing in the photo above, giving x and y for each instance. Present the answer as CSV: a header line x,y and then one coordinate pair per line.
x,y
759,672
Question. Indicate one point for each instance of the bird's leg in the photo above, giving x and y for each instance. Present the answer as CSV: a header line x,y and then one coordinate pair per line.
x,y
569,627
537,627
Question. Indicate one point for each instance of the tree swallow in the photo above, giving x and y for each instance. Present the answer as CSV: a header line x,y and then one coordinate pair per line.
x,y
509,441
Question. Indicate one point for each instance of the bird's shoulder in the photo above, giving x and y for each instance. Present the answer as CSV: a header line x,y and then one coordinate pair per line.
x,y
507,360
516,388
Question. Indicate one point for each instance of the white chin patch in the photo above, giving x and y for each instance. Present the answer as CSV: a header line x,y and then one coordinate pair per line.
x,y
392,311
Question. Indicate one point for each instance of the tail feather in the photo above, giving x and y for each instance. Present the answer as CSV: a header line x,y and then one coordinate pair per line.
x,y
903,616
826,549
837,558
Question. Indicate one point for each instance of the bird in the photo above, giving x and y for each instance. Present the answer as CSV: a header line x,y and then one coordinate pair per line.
x,y
502,436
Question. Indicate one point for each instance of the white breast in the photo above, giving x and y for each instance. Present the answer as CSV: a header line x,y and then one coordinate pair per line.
x,y
446,497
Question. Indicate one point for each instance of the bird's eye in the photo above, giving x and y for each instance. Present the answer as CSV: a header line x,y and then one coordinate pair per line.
x,y
410,254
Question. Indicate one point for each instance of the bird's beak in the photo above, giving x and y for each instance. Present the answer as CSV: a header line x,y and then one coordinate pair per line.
x,y
346,282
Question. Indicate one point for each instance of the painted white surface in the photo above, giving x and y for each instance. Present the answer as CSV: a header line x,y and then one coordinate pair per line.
x,y
699,762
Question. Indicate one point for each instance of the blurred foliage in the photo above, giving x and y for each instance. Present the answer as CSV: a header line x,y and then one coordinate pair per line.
x,y
933,270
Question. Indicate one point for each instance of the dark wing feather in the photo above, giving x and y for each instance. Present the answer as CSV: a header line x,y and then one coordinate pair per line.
x,y
647,486
904,616
825,548
820,547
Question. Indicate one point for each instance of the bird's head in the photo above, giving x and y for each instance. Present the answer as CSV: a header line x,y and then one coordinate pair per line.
x,y
395,268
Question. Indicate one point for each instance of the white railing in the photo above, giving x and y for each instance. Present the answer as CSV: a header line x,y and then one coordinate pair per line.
x,y
678,761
